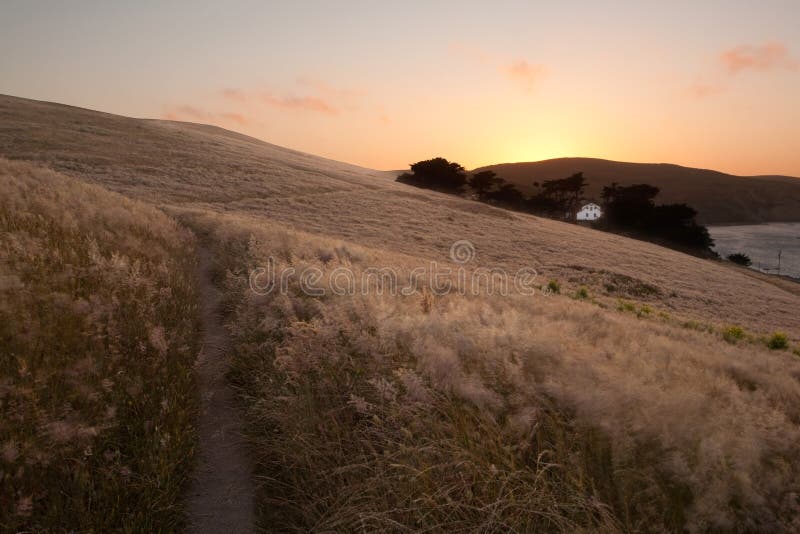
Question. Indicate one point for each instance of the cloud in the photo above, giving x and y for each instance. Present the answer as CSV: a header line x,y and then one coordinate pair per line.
x,y
236,95
758,58
315,96
524,73
304,103
195,114
521,72
234,117
702,90
769,56
321,87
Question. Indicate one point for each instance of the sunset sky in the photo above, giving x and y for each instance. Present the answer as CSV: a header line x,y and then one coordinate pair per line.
x,y
710,84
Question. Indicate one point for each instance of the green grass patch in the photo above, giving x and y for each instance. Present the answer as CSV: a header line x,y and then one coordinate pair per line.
x,y
733,334
553,287
582,293
778,341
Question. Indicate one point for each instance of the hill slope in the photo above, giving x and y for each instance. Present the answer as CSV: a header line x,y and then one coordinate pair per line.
x,y
719,198
189,165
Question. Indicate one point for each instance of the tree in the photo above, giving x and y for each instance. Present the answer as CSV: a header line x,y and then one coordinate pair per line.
x,y
560,198
676,223
741,259
483,182
629,206
633,208
507,194
436,173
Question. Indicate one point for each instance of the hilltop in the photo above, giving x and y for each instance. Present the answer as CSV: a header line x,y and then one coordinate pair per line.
x,y
719,198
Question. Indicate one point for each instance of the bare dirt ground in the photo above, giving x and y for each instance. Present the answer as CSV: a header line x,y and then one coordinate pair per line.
x,y
221,494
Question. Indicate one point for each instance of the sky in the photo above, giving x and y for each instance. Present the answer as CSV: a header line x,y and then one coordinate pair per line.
x,y
713,84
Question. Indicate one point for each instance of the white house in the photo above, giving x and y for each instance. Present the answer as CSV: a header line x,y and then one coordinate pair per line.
x,y
590,212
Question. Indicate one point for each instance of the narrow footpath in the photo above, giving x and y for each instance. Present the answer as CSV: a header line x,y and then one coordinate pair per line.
x,y
220,498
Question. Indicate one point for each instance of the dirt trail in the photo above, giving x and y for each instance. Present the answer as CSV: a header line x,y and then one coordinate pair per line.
x,y
221,493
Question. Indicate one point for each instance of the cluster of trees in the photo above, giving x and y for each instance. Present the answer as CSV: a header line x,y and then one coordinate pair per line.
x,y
436,173
555,198
630,209
633,209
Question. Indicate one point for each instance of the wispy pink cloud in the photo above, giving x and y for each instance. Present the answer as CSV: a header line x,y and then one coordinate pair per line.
x,y
769,56
234,117
234,94
524,73
320,87
195,114
192,112
700,90
314,96
303,103
521,72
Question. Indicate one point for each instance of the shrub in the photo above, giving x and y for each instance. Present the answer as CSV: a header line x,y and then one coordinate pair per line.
x,y
778,341
740,259
582,293
553,287
733,334
625,306
644,310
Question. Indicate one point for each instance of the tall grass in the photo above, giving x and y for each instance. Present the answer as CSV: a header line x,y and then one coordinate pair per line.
x,y
97,339
497,413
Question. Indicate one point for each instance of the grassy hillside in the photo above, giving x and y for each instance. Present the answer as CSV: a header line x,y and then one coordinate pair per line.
x,y
189,165
495,413
163,161
718,197
97,339
639,394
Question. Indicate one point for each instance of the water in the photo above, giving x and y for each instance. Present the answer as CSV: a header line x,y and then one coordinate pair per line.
x,y
762,242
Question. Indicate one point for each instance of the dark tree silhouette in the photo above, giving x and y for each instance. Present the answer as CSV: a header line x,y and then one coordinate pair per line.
x,y
507,194
559,198
483,182
630,205
632,208
676,223
436,173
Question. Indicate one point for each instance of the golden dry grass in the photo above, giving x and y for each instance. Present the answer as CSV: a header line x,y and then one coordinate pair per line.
x,y
97,338
497,413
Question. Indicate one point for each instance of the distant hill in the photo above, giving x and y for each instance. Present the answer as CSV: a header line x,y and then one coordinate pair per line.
x,y
718,197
